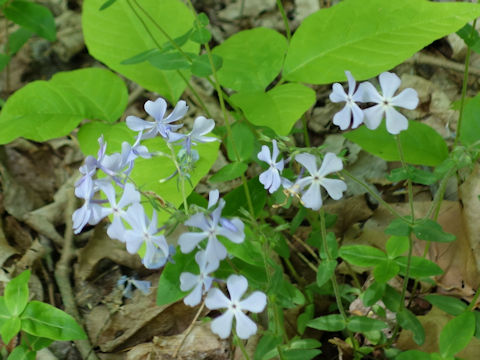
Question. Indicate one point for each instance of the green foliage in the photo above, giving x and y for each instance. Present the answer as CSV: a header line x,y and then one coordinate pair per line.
x,y
251,59
122,23
278,108
33,17
363,324
229,172
430,230
450,305
470,128
362,255
421,144
326,270
407,320
418,176
457,334
380,36
16,293
470,36
419,267
244,140
333,322
44,110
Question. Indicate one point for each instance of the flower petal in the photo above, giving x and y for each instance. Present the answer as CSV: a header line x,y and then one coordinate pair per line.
x,y
351,82
133,241
373,116
136,124
202,126
256,302
189,240
215,250
116,229
222,325
156,109
396,122
266,178
308,161
130,196
276,181
389,82
216,300
275,151
213,197
334,187
343,118
407,99
234,236
188,281
195,297
237,285
357,116
369,93
244,327
264,154
331,163
178,112
312,198
338,94
198,220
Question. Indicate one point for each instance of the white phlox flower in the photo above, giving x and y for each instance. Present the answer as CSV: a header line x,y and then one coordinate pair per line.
x,y
271,178
255,302
343,118
386,102
144,231
161,125
312,197
200,283
89,213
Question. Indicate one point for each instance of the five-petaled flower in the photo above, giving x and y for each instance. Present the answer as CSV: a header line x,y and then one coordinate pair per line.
x,y
222,325
386,102
312,198
343,118
271,177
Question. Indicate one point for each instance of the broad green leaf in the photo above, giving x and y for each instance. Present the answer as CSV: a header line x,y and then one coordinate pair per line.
x,y
413,355
114,135
301,354
46,321
407,320
201,66
419,267
333,322
470,128
457,334
391,298
34,17
398,227
16,293
236,198
169,284
4,312
229,172
267,344
450,305
201,35
373,293
22,352
4,60
122,23
430,230
418,176
470,36
9,329
368,37
244,140
396,246
17,39
35,342
385,271
363,324
249,250
326,270
44,110
477,324
251,59
362,255
278,108
421,144
304,318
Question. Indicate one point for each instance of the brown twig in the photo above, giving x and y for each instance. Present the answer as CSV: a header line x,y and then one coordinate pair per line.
x,y
62,276
189,329
420,58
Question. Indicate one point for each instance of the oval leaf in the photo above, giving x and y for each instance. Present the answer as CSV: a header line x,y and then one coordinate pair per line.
x,y
326,269
408,321
450,305
364,324
16,293
457,334
362,255
419,267
328,323
381,34
229,172
430,230
33,17
278,108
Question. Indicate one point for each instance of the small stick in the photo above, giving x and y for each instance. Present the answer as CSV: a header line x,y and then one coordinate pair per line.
x,y
187,332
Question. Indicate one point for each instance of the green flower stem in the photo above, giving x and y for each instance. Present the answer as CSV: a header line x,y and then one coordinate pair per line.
x,y
464,88
333,279
181,176
375,196
305,131
240,344
409,181
294,273
285,19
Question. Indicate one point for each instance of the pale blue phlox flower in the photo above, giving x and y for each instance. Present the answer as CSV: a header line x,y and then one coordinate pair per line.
x,y
89,213
271,178
344,117
200,283
85,185
161,125
255,302
386,102
312,197
128,283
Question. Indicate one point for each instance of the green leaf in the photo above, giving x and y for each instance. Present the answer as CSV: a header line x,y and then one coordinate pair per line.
x,y
140,57
418,176
169,61
4,312
35,342
267,344
44,110
477,324
236,198
17,39
4,60
373,293
22,352
470,36
16,293
362,255
470,127
278,108
251,59
407,320
107,4
301,354
413,355
229,172
457,334
34,17
114,135
430,230
175,18
46,321
249,250
201,35
169,283
244,140
396,246
9,329
391,298
333,322
201,65
364,324
421,144
385,271
380,36
450,305
419,267
326,269
398,227
304,318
